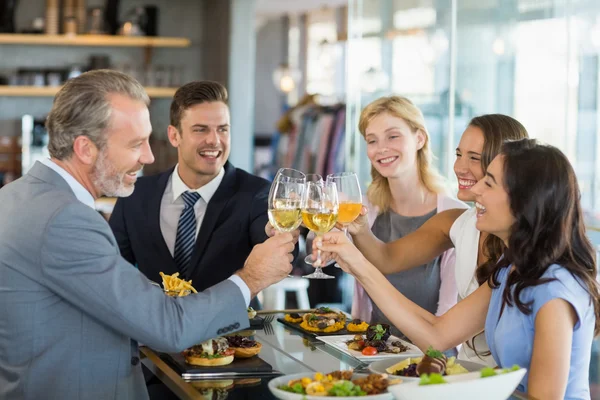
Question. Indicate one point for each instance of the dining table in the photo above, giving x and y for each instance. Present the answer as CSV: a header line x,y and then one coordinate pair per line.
x,y
288,351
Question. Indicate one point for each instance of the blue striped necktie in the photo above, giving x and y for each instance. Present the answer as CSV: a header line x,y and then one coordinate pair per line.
x,y
186,233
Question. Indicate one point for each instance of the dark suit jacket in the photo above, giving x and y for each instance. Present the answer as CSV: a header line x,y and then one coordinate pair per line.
x,y
234,222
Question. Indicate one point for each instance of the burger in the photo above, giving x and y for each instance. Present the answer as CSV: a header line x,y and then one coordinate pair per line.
x,y
243,347
211,353
323,319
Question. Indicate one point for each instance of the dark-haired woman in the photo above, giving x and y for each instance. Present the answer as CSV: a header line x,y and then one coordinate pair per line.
x,y
539,306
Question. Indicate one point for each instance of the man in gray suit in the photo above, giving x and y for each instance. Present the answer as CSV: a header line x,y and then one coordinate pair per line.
x,y
71,308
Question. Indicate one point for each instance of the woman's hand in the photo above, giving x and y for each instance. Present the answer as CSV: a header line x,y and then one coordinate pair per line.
x,y
336,245
360,224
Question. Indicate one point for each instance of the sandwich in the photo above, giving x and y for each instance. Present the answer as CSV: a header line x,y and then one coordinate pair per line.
x,y
243,347
213,352
323,319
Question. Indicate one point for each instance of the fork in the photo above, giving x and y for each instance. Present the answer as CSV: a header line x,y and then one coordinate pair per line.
x,y
268,329
268,318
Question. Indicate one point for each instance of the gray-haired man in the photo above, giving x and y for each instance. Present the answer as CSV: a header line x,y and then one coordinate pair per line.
x,y
72,308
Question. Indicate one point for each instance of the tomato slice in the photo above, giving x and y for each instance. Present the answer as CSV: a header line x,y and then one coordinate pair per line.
x,y
369,351
229,352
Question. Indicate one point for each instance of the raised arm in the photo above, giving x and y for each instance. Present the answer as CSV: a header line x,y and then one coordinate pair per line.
x,y
418,248
460,323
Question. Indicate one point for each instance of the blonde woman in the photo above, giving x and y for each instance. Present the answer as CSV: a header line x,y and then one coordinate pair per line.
x,y
405,192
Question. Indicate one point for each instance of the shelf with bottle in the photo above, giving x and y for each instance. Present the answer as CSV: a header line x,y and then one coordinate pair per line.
x,y
50,91
93,40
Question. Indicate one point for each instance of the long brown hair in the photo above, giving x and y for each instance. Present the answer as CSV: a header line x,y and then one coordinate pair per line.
x,y
549,229
497,129
379,193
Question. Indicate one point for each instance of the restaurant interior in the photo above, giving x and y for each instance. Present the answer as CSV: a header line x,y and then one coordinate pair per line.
x,y
535,60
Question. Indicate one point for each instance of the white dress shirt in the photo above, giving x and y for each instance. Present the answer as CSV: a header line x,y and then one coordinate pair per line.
x,y
172,205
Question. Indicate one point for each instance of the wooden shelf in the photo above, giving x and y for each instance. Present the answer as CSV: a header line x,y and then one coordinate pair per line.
x,y
93,40
45,91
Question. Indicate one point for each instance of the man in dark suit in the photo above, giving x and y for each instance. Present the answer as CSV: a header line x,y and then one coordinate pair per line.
x,y
202,217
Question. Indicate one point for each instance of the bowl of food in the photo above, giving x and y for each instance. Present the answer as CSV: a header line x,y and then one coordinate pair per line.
x,y
410,368
497,385
344,384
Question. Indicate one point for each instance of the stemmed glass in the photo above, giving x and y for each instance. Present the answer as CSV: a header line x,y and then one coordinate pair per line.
x,y
316,178
285,200
349,195
319,213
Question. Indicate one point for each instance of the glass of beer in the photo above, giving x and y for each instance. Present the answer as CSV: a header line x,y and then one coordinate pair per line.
x,y
285,199
349,195
320,213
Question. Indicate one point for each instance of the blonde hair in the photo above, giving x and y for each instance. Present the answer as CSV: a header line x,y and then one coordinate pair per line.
x,y
379,193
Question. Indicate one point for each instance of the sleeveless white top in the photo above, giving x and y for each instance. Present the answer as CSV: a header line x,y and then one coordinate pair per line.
x,y
465,237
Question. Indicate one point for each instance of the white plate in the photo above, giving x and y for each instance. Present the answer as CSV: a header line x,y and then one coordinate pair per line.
x,y
379,367
464,387
339,342
283,395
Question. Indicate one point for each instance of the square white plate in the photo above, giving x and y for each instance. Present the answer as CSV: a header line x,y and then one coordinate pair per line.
x,y
339,342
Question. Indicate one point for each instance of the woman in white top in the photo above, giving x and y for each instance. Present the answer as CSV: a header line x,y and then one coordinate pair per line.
x,y
476,253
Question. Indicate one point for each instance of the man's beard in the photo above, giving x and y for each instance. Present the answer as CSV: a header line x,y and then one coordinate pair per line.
x,y
108,180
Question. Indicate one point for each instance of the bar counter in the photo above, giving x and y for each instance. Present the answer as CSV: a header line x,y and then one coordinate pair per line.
x,y
286,350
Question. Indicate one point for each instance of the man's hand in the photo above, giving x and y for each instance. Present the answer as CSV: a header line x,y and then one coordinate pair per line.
x,y
268,263
270,231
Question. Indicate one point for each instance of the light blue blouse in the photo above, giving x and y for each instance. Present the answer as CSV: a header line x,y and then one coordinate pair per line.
x,y
511,335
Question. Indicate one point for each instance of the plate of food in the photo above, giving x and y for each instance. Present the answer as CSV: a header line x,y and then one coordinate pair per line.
x,y
410,368
344,384
231,356
321,321
376,344
489,384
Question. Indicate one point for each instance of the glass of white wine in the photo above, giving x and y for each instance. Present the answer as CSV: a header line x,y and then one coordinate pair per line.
x,y
350,197
285,200
319,214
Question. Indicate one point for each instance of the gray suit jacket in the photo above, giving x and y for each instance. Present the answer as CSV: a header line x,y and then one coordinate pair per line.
x,y
72,309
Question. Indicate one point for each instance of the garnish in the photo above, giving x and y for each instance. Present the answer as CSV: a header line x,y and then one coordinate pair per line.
x,y
297,388
431,379
431,352
311,317
379,332
346,389
488,371
324,309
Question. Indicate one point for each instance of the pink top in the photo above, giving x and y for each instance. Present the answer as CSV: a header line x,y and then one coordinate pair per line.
x,y
361,303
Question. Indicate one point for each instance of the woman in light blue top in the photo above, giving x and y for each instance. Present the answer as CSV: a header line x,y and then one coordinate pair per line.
x,y
540,306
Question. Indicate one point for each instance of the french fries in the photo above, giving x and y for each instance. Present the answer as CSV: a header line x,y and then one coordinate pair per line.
x,y
174,286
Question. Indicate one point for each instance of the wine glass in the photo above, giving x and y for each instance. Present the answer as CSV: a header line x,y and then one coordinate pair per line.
x,y
285,200
349,195
316,178
319,214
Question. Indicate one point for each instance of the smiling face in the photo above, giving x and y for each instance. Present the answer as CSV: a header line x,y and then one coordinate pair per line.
x,y
494,214
202,141
392,146
467,166
127,148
